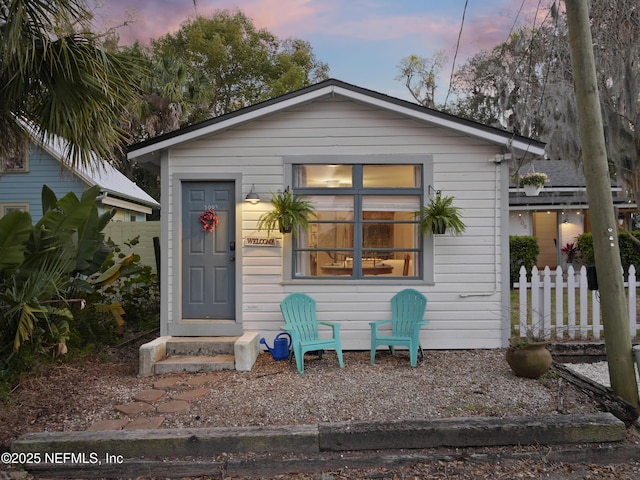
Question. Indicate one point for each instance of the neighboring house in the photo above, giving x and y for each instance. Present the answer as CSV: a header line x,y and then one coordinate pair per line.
x,y
22,179
560,212
367,161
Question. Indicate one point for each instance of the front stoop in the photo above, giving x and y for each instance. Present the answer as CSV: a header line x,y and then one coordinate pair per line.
x,y
194,363
199,354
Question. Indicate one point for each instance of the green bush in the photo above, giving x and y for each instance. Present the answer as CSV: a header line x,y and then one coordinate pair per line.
x,y
523,251
629,243
584,243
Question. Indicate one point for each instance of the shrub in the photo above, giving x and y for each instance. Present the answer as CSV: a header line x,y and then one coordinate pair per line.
x,y
523,251
629,243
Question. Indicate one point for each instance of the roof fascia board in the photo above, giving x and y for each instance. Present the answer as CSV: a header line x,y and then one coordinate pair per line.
x,y
505,140
127,205
231,122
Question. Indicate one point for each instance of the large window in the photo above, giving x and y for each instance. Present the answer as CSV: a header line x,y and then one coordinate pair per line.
x,y
365,225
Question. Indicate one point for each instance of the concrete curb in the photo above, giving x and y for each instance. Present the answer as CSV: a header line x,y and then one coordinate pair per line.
x,y
102,454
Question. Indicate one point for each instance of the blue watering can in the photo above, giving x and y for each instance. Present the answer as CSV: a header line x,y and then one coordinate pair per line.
x,y
281,346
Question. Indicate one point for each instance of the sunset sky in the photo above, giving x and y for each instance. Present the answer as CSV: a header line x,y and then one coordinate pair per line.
x,y
362,41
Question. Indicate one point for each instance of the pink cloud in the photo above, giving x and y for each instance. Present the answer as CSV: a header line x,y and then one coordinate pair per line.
x,y
151,19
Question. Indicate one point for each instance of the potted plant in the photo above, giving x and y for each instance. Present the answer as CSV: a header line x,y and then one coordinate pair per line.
x,y
289,212
529,356
571,253
532,182
439,216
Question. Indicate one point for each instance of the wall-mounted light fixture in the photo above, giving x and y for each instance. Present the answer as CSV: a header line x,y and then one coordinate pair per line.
x,y
252,197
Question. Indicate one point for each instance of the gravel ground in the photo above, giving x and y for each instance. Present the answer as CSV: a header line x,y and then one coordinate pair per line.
x,y
444,384
597,371
73,396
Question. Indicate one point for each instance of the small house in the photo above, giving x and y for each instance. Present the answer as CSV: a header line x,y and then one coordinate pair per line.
x,y
21,182
367,162
559,212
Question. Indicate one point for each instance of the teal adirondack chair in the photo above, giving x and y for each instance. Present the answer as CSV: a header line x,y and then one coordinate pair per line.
x,y
407,317
299,312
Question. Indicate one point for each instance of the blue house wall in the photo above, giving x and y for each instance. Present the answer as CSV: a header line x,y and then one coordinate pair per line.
x,y
26,187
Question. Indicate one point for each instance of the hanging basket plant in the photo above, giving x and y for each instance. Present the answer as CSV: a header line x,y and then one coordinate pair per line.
x,y
532,182
209,220
290,212
440,216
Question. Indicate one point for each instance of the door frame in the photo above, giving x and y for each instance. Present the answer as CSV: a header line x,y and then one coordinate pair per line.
x,y
174,311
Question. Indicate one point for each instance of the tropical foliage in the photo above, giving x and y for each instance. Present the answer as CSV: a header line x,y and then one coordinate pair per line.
x,y
60,279
55,76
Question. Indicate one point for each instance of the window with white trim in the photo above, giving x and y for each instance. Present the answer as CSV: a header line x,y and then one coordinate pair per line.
x,y
365,226
11,207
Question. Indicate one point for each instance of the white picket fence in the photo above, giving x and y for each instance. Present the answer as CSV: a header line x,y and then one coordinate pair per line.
x,y
542,304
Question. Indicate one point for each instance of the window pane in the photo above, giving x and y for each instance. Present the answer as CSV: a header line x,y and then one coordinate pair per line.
x,y
391,203
397,264
323,176
341,206
398,176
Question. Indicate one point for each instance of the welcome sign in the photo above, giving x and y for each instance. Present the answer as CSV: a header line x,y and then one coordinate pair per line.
x,y
260,242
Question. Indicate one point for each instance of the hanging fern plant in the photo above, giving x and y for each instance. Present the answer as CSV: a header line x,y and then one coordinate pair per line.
x,y
440,216
289,212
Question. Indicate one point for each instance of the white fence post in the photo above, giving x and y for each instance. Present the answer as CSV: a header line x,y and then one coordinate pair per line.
x,y
571,302
524,286
584,303
559,320
549,322
535,300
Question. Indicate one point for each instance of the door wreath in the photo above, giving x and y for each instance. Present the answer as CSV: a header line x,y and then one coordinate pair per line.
x,y
209,220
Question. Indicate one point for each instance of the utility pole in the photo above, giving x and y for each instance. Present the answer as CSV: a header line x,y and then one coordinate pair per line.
x,y
615,315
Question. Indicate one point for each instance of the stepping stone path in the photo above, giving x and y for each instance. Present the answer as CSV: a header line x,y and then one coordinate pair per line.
x,y
168,395
189,395
172,407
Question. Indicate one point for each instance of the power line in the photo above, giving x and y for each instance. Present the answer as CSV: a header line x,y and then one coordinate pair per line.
x,y
453,66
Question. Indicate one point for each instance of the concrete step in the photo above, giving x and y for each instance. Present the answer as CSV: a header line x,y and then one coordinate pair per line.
x,y
194,363
200,345
234,353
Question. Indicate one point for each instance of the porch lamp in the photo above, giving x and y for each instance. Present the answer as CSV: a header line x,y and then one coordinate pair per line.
x,y
252,197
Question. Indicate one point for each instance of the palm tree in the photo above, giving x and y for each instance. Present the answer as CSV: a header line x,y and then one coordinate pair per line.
x,y
55,76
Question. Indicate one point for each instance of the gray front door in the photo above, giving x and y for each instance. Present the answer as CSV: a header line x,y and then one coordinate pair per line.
x,y
208,259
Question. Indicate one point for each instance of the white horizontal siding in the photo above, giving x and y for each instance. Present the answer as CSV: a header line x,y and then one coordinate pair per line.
x,y
463,265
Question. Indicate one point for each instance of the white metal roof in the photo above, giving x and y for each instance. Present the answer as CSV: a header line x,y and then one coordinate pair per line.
x,y
107,177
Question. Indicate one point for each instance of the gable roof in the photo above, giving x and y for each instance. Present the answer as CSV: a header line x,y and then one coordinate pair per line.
x,y
149,150
109,179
